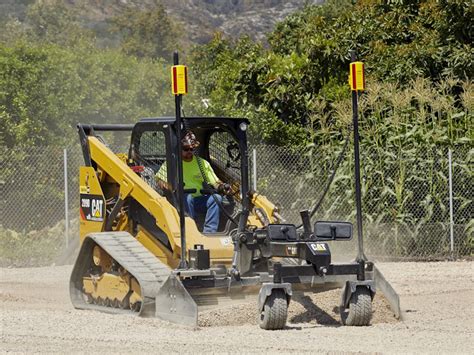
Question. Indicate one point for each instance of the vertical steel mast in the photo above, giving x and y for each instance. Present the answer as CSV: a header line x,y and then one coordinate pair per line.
x,y
179,87
357,82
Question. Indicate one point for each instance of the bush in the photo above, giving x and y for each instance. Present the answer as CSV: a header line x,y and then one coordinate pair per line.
x,y
35,248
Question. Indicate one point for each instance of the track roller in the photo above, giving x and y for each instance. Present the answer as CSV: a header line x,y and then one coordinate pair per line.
x,y
114,273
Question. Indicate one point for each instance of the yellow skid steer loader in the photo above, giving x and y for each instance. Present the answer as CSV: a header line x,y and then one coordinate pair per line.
x,y
136,257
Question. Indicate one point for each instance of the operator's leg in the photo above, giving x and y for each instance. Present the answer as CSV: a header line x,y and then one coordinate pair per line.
x,y
189,205
212,215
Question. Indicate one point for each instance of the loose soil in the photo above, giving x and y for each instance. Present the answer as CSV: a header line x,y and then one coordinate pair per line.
x,y
437,302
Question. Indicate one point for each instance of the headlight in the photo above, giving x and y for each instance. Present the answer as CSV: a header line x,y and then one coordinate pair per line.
x,y
243,126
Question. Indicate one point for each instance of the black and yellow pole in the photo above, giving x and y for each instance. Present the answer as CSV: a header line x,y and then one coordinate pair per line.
x,y
357,83
179,86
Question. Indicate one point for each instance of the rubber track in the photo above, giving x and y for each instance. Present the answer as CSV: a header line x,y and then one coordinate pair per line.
x,y
148,270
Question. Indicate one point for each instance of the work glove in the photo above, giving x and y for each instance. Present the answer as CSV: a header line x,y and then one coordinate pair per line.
x,y
224,189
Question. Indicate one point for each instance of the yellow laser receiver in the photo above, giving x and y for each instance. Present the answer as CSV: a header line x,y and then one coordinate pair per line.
x,y
179,79
356,76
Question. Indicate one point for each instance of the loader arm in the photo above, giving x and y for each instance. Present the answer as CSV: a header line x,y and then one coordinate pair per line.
x,y
266,211
165,214
132,185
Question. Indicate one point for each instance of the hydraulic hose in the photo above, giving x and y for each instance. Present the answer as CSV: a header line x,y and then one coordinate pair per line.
x,y
331,178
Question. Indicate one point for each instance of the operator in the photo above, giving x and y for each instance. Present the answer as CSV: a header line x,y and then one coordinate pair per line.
x,y
193,179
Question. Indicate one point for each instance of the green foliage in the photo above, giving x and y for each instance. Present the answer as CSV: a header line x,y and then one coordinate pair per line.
x,y
35,248
305,71
215,67
32,249
398,39
55,22
226,73
404,138
47,90
53,75
146,33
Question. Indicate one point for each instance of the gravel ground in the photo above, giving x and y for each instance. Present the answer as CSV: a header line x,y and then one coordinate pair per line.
x,y
437,302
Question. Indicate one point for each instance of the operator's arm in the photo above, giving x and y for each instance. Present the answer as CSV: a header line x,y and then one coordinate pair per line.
x,y
161,178
213,180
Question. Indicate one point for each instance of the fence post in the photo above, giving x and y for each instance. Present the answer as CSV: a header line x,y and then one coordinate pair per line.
x,y
66,198
451,217
254,168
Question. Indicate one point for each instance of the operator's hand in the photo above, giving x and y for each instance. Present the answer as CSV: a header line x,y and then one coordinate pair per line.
x,y
224,189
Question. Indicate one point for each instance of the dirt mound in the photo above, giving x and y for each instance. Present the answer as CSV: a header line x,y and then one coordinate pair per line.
x,y
311,308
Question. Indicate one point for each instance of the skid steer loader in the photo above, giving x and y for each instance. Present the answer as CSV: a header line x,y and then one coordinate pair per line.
x,y
136,258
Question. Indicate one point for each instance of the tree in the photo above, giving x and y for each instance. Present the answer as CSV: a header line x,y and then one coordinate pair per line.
x,y
146,33
46,90
55,22
297,80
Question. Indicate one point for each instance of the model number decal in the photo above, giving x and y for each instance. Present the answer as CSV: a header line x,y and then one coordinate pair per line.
x,y
92,208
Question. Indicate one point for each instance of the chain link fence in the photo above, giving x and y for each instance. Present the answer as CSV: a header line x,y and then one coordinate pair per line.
x,y
407,209
34,225
416,204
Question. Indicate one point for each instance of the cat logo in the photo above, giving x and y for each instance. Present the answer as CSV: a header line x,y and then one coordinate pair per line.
x,y
318,246
97,208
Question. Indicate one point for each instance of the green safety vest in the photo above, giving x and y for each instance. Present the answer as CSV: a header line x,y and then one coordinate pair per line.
x,y
192,176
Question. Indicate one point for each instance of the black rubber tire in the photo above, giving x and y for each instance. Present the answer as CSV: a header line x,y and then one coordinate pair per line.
x,y
360,308
275,311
